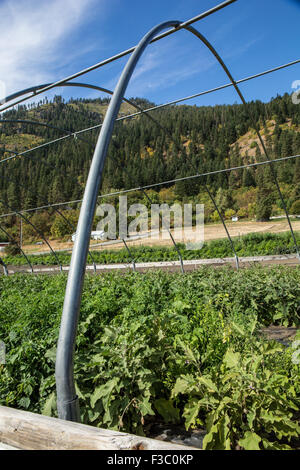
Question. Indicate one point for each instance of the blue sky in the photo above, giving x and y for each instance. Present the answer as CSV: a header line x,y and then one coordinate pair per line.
x,y
44,41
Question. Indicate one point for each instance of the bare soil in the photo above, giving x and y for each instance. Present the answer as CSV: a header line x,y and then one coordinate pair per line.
x,y
211,232
279,333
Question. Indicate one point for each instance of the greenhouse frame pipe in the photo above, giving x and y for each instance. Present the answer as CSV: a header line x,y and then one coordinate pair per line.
x,y
19,246
124,53
195,32
71,84
67,400
83,85
37,123
130,254
145,111
36,230
36,88
228,73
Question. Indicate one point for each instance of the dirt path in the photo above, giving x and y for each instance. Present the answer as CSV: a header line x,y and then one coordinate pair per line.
x,y
172,266
211,232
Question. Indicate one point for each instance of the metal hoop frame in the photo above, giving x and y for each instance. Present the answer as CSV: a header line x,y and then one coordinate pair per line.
x,y
68,406
67,400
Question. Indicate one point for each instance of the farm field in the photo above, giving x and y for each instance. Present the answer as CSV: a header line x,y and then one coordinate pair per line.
x,y
211,232
261,244
161,348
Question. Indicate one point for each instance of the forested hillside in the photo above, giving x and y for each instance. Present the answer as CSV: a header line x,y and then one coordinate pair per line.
x,y
197,139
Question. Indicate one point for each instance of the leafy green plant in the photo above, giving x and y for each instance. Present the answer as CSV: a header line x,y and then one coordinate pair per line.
x,y
246,402
139,335
247,245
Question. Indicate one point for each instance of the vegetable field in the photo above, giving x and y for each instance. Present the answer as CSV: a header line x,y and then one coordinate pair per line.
x,y
163,348
247,245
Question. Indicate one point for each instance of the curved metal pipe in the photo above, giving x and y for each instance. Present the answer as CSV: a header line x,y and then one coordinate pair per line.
x,y
36,123
67,400
36,88
128,51
73,84
226,70
19,246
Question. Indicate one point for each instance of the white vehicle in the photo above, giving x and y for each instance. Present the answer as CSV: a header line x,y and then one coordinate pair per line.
x,y
95,235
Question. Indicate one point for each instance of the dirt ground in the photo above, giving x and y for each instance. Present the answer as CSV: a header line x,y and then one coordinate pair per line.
x,y
211,232
280,333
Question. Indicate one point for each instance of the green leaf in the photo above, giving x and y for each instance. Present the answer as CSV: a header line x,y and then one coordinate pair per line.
x,y
145,407
204,380
211,438
232,359
24,402
223,427
251,415
184,384
274,445
50,405
78,392
191,412
104,391
167,410
188,352
250,441
238,329
51,354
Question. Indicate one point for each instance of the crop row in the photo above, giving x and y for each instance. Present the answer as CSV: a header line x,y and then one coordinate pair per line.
x,y
248,245
162,348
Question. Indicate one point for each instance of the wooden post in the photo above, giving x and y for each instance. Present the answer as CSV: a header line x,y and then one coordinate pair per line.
x,y
30,431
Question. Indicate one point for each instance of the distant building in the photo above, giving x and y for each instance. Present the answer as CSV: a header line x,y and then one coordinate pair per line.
x,y
3,245
95,235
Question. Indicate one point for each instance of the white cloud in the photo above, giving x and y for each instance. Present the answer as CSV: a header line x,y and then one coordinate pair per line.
x,y
168,65
33,35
